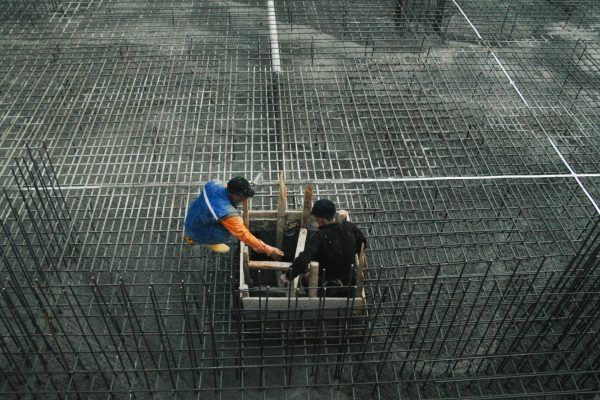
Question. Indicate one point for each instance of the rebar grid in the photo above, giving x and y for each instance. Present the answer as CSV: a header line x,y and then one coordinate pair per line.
x,y
523,20
141,123
461,136
451,297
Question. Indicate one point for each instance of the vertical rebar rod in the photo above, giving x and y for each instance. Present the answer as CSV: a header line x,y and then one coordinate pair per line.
x,y
163,336
188,332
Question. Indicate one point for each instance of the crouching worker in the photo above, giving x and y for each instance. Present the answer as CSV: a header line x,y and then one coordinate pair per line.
x,y
213,217
334,247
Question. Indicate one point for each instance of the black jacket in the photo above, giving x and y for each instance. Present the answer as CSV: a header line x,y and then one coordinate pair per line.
x,y
334,246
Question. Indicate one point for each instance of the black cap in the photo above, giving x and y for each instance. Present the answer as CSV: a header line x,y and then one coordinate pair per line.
x,y
323,209
241,186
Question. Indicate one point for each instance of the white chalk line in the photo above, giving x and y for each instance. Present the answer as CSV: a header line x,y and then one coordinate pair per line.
x,y
513,84
468,20
510,80
406,179
574,175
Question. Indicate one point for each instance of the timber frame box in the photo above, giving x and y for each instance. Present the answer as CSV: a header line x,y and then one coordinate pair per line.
x,y
259,279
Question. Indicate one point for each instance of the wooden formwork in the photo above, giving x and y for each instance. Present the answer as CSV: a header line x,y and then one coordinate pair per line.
x,y
299,299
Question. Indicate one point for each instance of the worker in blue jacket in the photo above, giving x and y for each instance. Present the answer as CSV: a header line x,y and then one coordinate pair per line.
x,y
213,217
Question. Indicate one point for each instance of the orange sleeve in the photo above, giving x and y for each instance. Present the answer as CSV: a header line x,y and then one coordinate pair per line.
x,y
235,225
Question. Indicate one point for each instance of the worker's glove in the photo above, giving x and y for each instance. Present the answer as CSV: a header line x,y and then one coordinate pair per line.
x,y
284,280
273,251
187,240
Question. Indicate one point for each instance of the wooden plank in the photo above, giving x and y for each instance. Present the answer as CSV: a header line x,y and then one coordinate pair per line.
x,y
246,213
301,241
245,261
304,303
272,214
299,249
241,272
281,207
313,279
244,272
360,279
308,195
273,265
281,212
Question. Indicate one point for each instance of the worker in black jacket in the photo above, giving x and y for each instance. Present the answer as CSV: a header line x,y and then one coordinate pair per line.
x,y
333,246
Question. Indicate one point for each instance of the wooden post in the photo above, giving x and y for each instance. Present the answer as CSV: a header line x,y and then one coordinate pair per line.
x,y
280,221
245,250
281,212
308,195
360,276
299,249
301,242
313,279
246,207
245,262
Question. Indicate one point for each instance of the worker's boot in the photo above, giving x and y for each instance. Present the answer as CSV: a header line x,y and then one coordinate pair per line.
x,y
218,248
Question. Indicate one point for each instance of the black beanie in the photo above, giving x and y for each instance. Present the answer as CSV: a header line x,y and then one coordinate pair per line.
x,y
323,209
241,186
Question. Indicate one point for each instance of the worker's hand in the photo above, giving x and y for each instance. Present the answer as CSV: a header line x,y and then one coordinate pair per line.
x,y
284,280
187,240
273,251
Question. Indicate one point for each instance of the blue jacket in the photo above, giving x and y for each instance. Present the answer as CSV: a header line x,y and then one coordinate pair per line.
x,y
202,222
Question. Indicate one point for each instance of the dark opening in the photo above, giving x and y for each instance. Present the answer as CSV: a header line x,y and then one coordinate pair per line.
x,y
266,231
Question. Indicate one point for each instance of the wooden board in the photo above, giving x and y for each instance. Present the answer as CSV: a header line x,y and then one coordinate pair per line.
x,y
299,249
272,265
362,261
304,303
246,213
313,279
272,215
308,195
311,304
301,241
281,212
244,272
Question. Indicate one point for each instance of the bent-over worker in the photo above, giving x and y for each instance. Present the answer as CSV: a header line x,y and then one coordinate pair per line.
x,y
213,217
333,246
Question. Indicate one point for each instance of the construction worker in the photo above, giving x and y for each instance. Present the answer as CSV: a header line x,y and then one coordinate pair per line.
x,y
333,246
213,217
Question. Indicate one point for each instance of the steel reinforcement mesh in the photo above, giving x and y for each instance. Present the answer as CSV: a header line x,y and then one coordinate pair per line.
x,y
462,136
